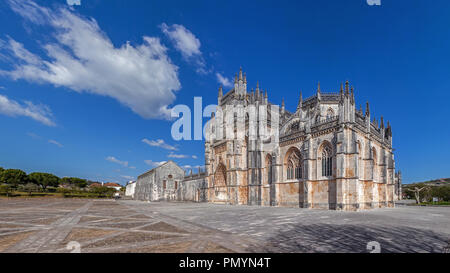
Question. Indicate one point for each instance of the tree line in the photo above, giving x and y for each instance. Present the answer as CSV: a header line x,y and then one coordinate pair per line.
x,y
17,180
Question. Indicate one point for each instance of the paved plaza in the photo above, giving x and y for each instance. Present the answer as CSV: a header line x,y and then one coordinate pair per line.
x,y
71,225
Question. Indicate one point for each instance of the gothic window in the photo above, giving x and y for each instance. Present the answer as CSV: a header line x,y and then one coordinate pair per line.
x,y
330,113
294,165
327,162
164,184
269,169
176,184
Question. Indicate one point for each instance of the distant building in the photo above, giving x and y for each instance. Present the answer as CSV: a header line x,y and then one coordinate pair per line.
x,y
115,186
130,189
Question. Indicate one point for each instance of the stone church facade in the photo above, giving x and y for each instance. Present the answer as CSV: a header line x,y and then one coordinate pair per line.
x,y
327,154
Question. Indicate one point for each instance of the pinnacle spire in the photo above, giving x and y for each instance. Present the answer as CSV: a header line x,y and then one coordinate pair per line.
x,y
318,87
300,101
245,77
235,78
240,73
346,87
220,91
367,109
257,85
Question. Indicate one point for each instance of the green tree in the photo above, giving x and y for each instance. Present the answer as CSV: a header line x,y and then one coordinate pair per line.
x,y
74,182
30,187
5,189
13,177
44,180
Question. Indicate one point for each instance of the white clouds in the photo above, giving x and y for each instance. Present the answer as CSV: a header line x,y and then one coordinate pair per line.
x,y
115,160
154,163
194,157
40,113
74,2
127,177
83,58
172,155
223,80
185,42
159,143
55,143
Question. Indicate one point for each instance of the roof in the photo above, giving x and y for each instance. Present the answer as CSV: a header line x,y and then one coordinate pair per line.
x,y
112,185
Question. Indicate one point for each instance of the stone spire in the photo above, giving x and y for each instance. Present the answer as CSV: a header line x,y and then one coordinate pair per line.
x,y
353,96
220,91
346,88
240,74
318,90
367,109
300,101
235,78
245,78
382,122
282,105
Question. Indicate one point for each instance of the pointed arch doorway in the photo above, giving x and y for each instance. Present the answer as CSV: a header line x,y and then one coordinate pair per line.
x,y
220,184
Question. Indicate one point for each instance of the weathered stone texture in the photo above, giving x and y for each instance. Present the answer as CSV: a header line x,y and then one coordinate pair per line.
x,y
329,156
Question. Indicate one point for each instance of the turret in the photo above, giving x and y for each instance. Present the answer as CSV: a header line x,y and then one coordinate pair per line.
x,y
219,98
318,91
300,102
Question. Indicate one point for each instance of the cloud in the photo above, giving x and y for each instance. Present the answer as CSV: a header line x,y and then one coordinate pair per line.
x,y
154,163
185,42
83,58
33,135
40,113
172,155
55,142
159,143
127,177
223,80
194,157
74,2
115,160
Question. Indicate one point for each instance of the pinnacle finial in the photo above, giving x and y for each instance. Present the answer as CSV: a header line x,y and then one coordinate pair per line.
x,y
245,77
220,91
282,102
300,101
235,78
257,85
265,95
367,109
318,87
342,88
346,87
240,73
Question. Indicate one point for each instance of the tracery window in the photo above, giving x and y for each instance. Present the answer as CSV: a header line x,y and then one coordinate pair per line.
x,y
294,166
327,162
330,113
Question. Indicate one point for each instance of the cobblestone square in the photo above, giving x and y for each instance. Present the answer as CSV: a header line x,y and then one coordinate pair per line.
x,y
67,225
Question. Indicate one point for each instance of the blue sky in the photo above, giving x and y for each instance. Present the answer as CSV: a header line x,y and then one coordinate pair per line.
x,y
84,89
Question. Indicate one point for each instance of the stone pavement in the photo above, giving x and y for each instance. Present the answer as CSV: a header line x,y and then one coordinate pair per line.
x,y
66,225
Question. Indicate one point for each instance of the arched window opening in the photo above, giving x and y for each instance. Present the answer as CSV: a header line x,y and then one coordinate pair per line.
x,y
294,165
269,169
327,162
330,113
